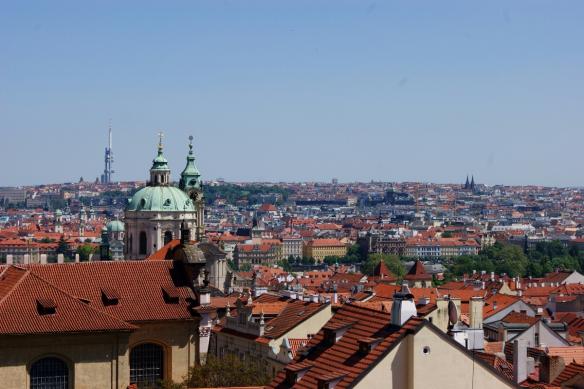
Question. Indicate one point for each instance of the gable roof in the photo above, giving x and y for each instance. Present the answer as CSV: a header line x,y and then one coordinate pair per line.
x,y
381,270
342,358
418,273
294,313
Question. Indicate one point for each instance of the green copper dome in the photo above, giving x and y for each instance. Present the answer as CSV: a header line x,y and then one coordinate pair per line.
x,y
160,198
115,226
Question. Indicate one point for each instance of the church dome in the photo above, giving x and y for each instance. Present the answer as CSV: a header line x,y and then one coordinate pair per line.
x,y
161,199
115,226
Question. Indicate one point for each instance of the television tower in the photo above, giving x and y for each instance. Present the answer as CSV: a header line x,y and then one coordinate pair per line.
x,y
106,177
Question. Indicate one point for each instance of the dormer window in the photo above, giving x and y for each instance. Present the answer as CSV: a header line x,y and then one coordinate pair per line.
x,y
333,332
46,306
329,380
170,295
295,371
366,345
110,296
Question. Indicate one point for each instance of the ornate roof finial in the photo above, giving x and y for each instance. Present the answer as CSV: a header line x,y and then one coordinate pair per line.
x,y
160,136
191,144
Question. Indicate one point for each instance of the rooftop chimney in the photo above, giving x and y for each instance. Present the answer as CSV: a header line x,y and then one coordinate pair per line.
x,y
403,307
550,367
476,312
519,361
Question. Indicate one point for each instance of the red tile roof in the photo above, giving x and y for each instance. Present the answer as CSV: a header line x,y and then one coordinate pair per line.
x,y
503,367
572,370
418,273
138,283
340,358
519,318
32,305
382,271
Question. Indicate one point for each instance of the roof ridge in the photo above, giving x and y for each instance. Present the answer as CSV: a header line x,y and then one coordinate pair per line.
x,y
26,272
78,301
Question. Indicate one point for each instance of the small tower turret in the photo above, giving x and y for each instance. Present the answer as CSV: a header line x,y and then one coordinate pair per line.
x,y
160,172
190,178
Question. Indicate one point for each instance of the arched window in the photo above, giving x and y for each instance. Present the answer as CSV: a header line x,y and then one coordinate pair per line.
x,y
143,243
167,237
50,372
146,365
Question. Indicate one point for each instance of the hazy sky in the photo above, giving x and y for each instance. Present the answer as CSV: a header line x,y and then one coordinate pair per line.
x,y
295,90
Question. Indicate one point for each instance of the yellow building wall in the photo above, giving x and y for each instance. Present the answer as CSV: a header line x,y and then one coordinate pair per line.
x,y
95,361
321,252
446,366
99,360
391,372
179,341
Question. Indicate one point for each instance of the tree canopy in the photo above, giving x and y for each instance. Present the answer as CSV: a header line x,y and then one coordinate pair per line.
x,y
393,263
228,371
514,261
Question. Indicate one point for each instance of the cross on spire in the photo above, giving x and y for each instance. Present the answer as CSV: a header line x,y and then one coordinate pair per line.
x,y
160,136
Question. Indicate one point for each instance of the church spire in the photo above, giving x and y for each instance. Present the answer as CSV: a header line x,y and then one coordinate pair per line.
x,y
190,176
160,172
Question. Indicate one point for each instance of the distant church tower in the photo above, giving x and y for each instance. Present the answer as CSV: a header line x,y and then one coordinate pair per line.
x,y
190,183
154,215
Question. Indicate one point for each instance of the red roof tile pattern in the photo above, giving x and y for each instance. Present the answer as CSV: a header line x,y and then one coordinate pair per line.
x,y
519,318
418,273
138,284
294,313
35,306
340,357
503,367
571,371
569,354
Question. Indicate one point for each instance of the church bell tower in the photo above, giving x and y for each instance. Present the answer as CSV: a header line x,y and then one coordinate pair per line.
x,y
190,183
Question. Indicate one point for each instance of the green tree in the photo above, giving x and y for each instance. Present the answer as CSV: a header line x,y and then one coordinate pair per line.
x,y
308,261
85,251
228,371
63,247
393,263
285,264
332,259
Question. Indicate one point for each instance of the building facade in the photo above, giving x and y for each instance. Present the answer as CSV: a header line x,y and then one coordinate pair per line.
x,y
319,249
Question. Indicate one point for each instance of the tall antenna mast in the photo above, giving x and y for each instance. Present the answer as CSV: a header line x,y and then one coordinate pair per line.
x,y
106,177
110,135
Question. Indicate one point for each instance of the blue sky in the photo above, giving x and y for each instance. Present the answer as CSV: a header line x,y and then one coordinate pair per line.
x,y
295,90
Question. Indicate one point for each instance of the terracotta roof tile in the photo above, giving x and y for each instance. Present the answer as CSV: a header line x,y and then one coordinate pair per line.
x,y
35,306
572,370
137,285
343,357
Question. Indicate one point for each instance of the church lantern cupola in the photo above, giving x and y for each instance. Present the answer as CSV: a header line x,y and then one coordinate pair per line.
x,y
190,178
160,172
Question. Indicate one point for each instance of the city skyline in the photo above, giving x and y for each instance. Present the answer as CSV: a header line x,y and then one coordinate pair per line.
x,y
270,94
